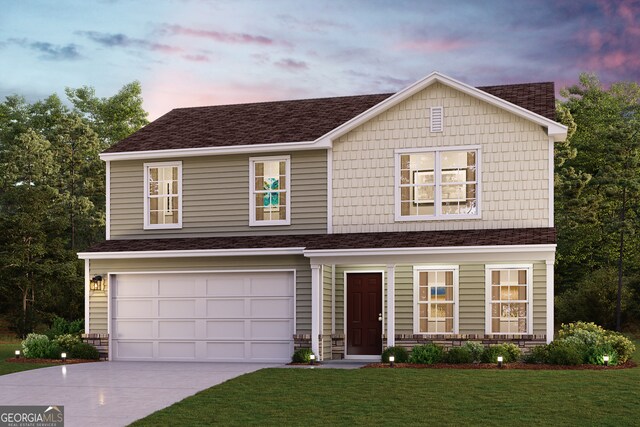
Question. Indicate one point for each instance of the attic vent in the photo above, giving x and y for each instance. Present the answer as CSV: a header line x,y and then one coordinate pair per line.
x,y
436,119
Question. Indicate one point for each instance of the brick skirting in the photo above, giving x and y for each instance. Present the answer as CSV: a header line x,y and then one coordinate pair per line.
x,y
525,342
100,342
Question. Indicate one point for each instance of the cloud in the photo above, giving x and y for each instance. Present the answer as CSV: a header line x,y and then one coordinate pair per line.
x,y
433,45
220,36
48,51
197,58
291,64
122,40
320,26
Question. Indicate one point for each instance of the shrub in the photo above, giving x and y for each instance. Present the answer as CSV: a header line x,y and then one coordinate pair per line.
x,y
426,354
595,337
538,354
67,341
595,355
302,355
400,353
475,348
82,350
37,346
565,352
509,352
622,345
61,326
459,355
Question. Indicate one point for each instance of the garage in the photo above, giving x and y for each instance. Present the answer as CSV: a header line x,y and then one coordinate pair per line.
x,y
217,317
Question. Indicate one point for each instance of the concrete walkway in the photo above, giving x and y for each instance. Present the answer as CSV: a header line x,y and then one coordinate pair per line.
x,y
115,393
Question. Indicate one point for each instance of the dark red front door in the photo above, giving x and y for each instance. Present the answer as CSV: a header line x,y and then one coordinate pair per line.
x,y
364,311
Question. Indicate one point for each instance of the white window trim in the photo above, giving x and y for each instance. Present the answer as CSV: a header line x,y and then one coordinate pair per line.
x,y
438,207
147,224
487,279
417,269
252,200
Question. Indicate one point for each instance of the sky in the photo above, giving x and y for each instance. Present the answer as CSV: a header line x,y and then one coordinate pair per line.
x,y
208,52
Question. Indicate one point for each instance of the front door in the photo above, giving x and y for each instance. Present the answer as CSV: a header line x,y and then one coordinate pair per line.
x,y
364,314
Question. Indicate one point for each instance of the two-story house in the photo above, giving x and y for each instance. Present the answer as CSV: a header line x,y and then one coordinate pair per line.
x,y
347,224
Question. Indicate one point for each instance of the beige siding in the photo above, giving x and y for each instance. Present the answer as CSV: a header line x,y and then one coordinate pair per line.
x,y
216,197
326,311
514,164
472,299
98,301
539,298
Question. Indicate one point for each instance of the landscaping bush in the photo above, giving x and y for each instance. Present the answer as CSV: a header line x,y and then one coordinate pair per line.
x,y
302,355
565,352
475,348
37,346
623,346
459,355
82,350
595,355
538,354
61,326
595,339
400,353
67,341
426,354
509,352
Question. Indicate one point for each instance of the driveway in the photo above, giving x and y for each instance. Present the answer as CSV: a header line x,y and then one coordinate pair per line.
x,y
115,393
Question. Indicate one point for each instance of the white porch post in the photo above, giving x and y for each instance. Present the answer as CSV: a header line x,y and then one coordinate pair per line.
x,y
86,296
315,309
391,305
550,302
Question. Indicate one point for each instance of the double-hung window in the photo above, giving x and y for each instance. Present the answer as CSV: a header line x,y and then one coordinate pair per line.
x,y
509,292
437,184
269,195
435,299
163,195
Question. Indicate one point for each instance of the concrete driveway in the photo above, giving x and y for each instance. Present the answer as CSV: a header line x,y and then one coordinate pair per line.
x,y
115,393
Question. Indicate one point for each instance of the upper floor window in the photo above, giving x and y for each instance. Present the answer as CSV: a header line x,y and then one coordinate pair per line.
x,y
509,291
163,195
437,184
269,198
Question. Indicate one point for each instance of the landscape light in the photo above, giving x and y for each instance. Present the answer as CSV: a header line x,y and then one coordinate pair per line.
x,y
64,357
500,359
312,358
606,360
17,354
391,360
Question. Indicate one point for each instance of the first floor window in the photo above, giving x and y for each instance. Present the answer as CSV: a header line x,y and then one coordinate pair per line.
x,y
269,193
435,296
509,289
163,195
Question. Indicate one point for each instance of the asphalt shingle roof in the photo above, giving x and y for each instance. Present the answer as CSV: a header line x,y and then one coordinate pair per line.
x,y
288,121
415,239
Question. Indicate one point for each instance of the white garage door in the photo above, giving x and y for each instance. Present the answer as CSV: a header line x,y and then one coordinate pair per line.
x,y
203,317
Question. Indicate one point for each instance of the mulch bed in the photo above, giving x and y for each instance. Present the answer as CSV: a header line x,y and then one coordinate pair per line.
x,y
506,366
48,361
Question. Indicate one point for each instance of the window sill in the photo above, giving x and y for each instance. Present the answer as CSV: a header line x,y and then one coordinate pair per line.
x,y
437,218
163,227
269,223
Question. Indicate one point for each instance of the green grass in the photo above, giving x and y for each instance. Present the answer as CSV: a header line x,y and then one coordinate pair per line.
x,y
8,351
413,396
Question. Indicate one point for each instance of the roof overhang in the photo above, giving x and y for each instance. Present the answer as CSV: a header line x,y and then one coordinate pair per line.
x,y
190,253
554,129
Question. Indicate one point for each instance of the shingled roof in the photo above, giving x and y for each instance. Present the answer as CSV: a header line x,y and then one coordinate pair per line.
x,y
419,239
289,121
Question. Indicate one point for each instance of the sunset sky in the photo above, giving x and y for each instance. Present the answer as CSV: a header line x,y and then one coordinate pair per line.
x,y
198,52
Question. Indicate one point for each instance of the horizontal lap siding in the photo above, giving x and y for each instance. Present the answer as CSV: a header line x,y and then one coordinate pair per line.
x,y
216,197
326,310
539,298
472,299
98,301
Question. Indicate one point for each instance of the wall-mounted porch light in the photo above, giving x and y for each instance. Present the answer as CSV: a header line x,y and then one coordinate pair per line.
x,y
98,283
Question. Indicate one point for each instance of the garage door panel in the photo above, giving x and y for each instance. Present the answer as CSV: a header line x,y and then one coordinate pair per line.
x,y
272,330
226,308
134,350
176,350
184,329
271,308
177,308
224,351
204,316
134,308
223,329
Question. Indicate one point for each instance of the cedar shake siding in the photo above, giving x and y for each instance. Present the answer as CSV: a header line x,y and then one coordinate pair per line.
x,y
215,199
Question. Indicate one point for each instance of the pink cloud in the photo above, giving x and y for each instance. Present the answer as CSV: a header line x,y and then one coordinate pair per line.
x,y
197,58
220,36
434,45
292,64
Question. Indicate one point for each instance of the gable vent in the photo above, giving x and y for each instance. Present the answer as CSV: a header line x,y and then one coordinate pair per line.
x,y
436,119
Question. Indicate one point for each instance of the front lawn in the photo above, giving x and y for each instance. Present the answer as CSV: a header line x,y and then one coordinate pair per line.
x,y
8,351
413,396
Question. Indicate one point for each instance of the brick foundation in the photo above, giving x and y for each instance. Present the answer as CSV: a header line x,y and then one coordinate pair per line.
x,y
100,342
525,342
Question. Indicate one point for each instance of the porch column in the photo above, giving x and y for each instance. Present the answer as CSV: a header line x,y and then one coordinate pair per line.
x,y
550,298
391,305
315,309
